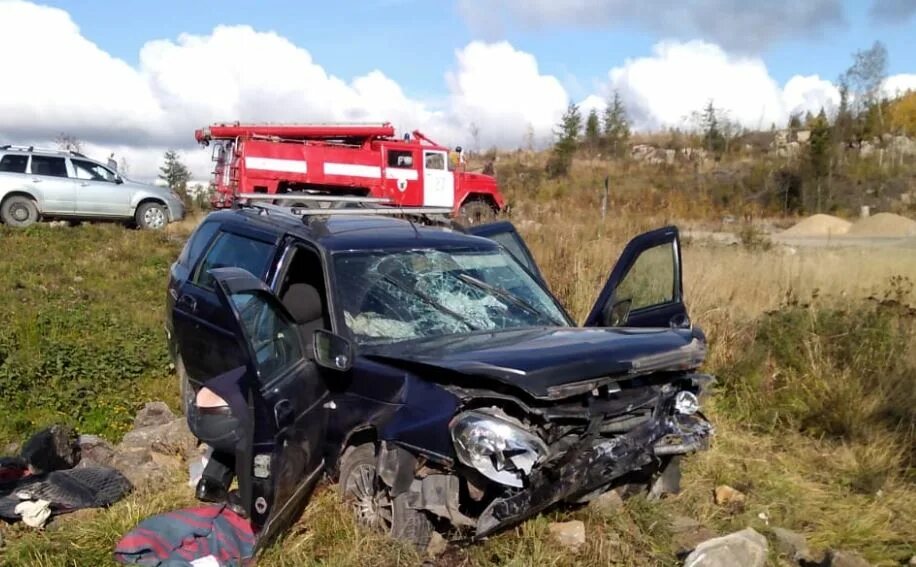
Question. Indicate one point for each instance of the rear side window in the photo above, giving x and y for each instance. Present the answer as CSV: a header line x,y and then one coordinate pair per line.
x,y
233,251
51,166
197,243
14,163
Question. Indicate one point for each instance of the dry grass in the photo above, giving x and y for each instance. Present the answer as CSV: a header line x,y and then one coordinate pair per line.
x,y
849,493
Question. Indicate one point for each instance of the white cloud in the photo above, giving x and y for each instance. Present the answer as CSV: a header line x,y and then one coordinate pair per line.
x,y
809,94
896,85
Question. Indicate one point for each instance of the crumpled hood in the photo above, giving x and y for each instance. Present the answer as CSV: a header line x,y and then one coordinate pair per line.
x,y
555,362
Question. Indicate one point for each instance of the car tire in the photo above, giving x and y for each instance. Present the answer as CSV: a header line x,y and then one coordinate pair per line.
x,y
184,385
151,216
19,211
371,501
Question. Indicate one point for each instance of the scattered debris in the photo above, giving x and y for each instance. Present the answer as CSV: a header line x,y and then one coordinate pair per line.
x,y
746,548
607,503
727,496
437,545
34,513
568,534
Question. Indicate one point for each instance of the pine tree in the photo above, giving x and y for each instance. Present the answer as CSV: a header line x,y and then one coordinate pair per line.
x,y
819,146
713,140
567,142
616,125
592,130
175,174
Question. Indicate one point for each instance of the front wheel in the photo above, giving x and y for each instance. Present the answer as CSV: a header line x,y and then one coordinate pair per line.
x,y
152,216
476,212
19,211
368,497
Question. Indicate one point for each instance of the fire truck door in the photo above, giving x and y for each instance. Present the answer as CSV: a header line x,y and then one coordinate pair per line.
x,y
438,181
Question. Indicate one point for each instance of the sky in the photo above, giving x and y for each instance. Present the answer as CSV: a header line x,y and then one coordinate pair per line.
x,y
138,77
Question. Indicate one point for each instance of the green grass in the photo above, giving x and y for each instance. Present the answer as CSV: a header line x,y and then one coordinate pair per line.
x,y
813,410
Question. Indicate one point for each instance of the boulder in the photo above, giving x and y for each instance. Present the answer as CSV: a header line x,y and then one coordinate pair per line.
x,y
746,548
94,451
570,535
727,496
172,438
845,559
151,456
153,413
794,546
688,533
607,503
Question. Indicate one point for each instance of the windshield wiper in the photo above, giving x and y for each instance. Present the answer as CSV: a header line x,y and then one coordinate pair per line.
x,y
505,295
430,301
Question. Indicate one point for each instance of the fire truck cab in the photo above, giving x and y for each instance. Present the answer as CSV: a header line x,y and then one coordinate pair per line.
x,y
345,159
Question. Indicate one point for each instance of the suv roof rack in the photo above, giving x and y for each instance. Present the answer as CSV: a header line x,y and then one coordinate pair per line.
x,y
364,206
42,150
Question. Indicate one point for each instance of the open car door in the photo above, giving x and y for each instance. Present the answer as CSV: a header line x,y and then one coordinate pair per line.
x,y
645,287
281,455
504,234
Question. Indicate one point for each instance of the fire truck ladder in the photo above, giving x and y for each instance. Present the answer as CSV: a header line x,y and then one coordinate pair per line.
x,y
364,206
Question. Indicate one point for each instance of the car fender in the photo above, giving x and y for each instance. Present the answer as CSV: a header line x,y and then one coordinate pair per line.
x,y
31,192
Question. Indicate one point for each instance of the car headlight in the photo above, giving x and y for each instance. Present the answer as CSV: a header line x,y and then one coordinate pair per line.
x,y
686,403
501,450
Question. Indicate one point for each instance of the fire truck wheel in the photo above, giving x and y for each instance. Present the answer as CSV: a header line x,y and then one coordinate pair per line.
x,y
19,211
151,216
476,212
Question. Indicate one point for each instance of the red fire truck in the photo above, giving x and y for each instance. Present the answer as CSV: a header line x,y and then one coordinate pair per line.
x,y
344,159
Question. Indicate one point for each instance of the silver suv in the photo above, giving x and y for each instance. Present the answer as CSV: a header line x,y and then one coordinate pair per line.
x,y
37,183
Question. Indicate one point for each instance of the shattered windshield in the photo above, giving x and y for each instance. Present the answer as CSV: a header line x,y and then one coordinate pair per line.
x,y
390,296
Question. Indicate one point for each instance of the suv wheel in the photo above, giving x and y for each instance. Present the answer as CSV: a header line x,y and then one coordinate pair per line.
x,y
152,216
371,502
19,211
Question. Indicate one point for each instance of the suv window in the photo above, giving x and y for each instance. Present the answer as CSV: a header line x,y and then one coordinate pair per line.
x,y
233,251
400,158
273,338
196,244
14,163
46,165
93,171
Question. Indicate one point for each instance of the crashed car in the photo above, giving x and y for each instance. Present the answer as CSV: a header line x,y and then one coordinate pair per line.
x,y
430,371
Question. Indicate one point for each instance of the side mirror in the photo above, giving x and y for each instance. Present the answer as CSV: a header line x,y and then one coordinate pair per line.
x,y
332,351
619,313
118,179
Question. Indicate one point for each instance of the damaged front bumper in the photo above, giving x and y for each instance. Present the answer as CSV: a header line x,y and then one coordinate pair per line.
x,y
595,462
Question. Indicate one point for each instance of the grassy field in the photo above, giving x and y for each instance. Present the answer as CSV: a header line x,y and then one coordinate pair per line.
x,y
815,353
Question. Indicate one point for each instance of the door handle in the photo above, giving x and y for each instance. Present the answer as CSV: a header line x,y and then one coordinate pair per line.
x,y
189,302
36,180
84,184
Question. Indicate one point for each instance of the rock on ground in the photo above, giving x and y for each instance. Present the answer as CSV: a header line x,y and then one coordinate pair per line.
x,y
607,503
727,496
746,548
95,451
845,559
688,533
151,456
153,413
436,546
794,546
570,535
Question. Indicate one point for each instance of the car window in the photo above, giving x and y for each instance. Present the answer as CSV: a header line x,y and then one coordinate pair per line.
x,y
273,338
435,160
197,243
14,163
50,166
389,296
400,158
92,171
651,279
233,251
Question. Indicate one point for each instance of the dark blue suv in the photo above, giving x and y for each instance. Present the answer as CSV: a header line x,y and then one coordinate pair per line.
x,y
430,370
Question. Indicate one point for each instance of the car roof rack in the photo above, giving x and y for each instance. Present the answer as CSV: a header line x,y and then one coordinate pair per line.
x,y
41,150
362,206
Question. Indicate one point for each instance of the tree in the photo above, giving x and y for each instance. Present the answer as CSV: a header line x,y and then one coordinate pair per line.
x,y
865,77
616,125
713,140
819,154
68,142
175,174
795,122
567,142
902,114
592,130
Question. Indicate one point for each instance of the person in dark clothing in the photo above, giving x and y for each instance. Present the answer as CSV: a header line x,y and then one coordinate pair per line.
x,y
216,418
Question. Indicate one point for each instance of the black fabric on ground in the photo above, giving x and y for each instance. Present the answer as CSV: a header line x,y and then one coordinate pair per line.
x,y
52,449
74,489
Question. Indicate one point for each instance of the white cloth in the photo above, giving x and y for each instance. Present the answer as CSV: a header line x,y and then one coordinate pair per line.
x,y
34,512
